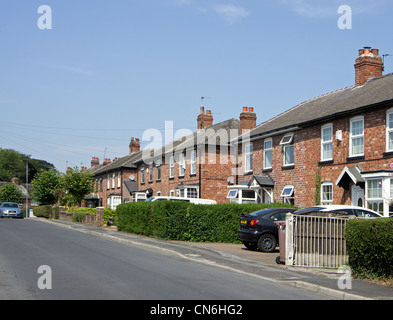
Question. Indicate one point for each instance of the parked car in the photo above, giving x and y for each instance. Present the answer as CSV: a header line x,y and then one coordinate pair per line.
x,y
345,209
10,210
257,230
192,200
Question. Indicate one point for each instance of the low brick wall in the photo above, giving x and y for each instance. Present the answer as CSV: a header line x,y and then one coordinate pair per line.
x,y
94,219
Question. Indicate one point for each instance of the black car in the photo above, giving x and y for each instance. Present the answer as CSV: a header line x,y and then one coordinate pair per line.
x,y
258,231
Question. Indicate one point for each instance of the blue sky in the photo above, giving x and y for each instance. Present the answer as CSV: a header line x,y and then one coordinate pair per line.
x,y
109,70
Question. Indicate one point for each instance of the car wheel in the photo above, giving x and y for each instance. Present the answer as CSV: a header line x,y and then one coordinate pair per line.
x,y
250,245
267,243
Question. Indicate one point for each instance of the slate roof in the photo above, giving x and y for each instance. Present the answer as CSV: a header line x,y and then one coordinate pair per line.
x,y
124,162
219,134
373,93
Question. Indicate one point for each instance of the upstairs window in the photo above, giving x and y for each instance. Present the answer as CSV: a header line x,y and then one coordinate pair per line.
x,y
327,142
287,142
171,167
389,130
267,153
248,157
357,137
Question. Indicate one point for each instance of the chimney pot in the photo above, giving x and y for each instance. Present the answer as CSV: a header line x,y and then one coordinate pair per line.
x,y
202,110
245,109
251,109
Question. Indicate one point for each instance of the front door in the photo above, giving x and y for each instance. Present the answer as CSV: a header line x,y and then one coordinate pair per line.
x,y
357,196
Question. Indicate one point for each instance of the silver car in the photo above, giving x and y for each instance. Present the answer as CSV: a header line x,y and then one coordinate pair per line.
x,y
10,210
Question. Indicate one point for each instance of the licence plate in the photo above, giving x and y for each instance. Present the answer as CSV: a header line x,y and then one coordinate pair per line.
x,y
243,221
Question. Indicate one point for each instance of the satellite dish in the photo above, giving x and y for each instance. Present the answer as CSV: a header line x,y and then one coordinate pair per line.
x,y
131,177
231,180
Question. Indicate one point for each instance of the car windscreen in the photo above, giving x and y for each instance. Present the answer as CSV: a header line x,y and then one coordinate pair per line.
x,y
261,212
10,205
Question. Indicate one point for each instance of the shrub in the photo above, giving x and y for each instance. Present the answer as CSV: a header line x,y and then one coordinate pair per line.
x,y
185,221
43,211
78,216
370,247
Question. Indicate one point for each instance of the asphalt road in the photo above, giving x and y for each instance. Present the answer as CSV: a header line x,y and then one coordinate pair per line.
x,y
81,266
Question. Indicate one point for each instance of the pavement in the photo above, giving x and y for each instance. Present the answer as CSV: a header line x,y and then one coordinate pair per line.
x,y
239,259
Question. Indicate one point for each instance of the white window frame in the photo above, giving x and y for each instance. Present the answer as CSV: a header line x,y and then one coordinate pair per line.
x,y
248,157
325,143
193,162
158,166
108,183
353,137
287,142
182,164
287,139
151,172
268,153
325,199
119,179
172,167
113,180
142,173
389,131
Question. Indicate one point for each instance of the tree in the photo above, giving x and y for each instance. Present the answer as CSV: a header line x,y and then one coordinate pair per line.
x,y
13,164
44,185
10,193
78,183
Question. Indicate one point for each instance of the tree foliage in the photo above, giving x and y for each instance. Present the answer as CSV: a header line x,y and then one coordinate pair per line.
x,y
77,183
44,185
10,193
13,164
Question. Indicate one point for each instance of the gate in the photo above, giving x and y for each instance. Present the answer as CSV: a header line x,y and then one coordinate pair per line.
x,y
316,241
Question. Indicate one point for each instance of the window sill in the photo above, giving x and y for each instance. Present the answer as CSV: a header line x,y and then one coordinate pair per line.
x,y
325,162
355,158
288,167
388,154
267,170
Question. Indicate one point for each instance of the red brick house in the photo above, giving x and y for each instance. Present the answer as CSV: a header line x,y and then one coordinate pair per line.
x,y
333,149
198,165
114,181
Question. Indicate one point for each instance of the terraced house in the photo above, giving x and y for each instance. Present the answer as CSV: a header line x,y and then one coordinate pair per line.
x,y
198,165
335,148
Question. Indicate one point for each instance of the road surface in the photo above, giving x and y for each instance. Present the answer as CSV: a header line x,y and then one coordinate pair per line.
x,y
44,261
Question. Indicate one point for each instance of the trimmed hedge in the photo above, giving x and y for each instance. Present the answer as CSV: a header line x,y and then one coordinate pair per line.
x,y
370,247
185,221
43,211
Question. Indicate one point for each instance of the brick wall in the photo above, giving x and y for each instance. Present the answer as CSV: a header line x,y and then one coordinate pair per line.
x,y
307,158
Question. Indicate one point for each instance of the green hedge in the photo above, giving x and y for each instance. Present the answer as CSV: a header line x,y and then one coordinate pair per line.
x,y
370,247
185,221
43,211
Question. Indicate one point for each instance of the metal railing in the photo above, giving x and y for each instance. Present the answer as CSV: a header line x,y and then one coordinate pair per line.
x,y
316,241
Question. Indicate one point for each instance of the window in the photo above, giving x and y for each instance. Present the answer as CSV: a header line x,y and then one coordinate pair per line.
x,y
267,153
357,136
172,193
193,162
119,179
192,192
374,195
288,194
248,157
113,180
327,142
327,193
232,194
143,173
171,167
101,184
389,130
158,166
286,141
150,172
108,182
181,165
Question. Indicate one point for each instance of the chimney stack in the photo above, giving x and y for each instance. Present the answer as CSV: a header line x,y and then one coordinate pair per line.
x,y
204,120
368,65
248,119
135,145
94,161
106,161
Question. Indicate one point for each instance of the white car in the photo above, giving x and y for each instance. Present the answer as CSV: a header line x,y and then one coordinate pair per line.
x,y
350,210
192,200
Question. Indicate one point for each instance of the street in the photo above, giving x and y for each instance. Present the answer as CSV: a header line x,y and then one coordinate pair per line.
x,y
76,265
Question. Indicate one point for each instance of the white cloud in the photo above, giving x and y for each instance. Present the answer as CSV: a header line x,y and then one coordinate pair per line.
x,y
78,70
328,8
230,12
